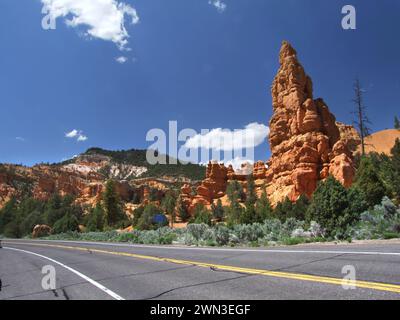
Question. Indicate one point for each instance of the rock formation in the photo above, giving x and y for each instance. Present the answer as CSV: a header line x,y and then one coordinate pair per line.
x,y
83,177
350,136
305,139
306,142
41,230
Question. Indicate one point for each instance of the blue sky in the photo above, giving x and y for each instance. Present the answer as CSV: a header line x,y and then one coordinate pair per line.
x,y
190,62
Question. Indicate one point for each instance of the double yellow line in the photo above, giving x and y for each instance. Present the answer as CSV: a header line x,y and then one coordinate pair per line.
x,y
276,274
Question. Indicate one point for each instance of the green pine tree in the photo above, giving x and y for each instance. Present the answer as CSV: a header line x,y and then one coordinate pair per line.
x,y
334,207
112,204
96,218
369,182
284,209
396,123
182,210
235,210
395,166
217,211
8,213
168,204
263,208
299,208
250,215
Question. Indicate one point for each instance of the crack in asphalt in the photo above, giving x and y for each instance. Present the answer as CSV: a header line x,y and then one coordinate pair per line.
x,y
309,262
198,284
66,296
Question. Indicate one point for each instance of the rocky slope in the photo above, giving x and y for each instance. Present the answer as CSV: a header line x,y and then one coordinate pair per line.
x,y
84,177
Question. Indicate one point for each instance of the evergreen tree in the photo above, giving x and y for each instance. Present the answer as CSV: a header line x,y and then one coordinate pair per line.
x,y
234,191
250,215
263,208
182,209
168,204
67,223
396,123
8,213
217,210
369,182
96,218
235,211
112,204
299,208
395,166
284,209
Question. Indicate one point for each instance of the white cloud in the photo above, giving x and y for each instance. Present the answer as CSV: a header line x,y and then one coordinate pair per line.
x,y
121,59
76,134
104,19
72,134
237,163
219,4
82,138
227,140
20,139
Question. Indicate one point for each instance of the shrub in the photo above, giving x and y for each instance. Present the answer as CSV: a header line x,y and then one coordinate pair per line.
x,y
221,235
334,207
197,230
67,223
201,215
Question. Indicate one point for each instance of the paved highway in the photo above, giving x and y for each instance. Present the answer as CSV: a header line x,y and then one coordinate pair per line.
x,y
87,270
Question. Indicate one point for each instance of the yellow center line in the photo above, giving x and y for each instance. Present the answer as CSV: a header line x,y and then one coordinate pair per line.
x,y
277,274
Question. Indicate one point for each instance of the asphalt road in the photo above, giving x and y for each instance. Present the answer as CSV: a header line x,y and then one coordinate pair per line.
x,y
120,271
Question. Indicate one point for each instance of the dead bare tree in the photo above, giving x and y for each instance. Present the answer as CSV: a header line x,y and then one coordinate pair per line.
x,y
361,121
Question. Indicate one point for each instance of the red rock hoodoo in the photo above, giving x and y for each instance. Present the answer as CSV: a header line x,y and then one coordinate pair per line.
x,y
305,140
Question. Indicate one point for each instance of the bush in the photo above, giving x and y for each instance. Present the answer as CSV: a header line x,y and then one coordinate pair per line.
x,y
222,235
334,207
197,230
201,215
67,223
378,223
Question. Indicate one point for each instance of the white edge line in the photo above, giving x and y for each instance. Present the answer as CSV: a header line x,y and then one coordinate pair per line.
x,y
206,249
93,282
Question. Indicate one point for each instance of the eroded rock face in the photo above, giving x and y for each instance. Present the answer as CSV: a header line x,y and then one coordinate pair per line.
x,y
306,143
350,136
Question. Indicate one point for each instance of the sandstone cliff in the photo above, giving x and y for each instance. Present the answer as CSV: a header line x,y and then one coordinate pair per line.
x,y
84,177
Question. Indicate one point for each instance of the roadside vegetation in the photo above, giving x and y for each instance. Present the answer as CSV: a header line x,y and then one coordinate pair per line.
x,y
367,210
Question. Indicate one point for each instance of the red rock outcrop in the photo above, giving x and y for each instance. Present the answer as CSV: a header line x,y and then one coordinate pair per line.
x,y
350,136
41,231
212,187
307,144
305,139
